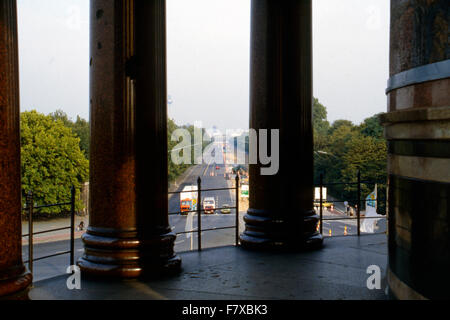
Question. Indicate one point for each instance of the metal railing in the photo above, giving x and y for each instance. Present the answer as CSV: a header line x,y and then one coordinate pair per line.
x,y
30,210
200,209
358,202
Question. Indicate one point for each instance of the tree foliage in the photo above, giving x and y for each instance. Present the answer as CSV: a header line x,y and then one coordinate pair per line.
x,y
52,161
344,149
176,170
80,128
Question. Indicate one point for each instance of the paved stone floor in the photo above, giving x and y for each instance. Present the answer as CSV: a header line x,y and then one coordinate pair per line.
x,y
337,272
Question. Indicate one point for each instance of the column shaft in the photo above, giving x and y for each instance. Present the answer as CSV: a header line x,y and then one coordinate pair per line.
x,y
417,127
129,234
14,279
281,206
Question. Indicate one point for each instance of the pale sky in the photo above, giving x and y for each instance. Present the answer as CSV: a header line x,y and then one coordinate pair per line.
x,y
208,58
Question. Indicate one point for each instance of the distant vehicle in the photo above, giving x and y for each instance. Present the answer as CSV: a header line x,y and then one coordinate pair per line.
x,y
188,199
209,205
226,209
245,191
217,168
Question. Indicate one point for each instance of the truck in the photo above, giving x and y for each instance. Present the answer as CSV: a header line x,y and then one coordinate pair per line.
x,y
325,204
188,199
209,205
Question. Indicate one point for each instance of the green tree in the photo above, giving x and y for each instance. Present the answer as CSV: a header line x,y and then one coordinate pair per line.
x,y
320,126
319,114
330,161
341,123
174,169
51,161
80,127
82,130
343,148
61,116
371,127
369,155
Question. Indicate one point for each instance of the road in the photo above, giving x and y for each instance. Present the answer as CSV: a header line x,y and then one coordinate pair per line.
x,y
212,178
55,266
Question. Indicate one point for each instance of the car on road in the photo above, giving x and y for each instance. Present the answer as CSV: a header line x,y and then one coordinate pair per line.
x,y
209,205
217,168
226,209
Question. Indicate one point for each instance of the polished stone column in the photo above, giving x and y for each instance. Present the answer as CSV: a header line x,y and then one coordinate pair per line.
x,y
417,127
281,214
14,279
129,234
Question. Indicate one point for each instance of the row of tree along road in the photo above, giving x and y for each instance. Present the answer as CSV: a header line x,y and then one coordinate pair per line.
x,y
55,156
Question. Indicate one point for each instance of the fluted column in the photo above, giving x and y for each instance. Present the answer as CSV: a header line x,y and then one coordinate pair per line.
x,y
417,127
14,279
281,211
129,233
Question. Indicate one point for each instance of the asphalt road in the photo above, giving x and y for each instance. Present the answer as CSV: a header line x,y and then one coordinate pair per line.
x,y
55,266
211,179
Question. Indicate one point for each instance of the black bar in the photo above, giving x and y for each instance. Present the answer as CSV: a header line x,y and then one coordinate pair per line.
x,y
358,209
348,183
53,205
46,231
72,227
237,210
338,219
321,203
195,211
204,230
49,206
218,189
199,213
186,232
220,228
332,219
30,230
52,255
355,235
341,201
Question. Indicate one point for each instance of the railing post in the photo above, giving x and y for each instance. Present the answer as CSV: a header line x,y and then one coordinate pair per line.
x,y
358,209
237,210
321,203
30,230
72,226
199,213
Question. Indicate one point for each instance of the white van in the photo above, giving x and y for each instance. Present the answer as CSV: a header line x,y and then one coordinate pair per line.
x,y
209,205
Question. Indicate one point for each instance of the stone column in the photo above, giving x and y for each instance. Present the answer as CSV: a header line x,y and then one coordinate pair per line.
x,y
14,279
281,211
417,127
129,234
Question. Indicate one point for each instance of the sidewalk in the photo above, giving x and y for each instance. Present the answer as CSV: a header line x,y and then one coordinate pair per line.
x,y
39,226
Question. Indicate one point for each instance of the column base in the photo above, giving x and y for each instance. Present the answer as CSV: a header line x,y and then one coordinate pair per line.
x,y
16,287
125,255
400,290
264,232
